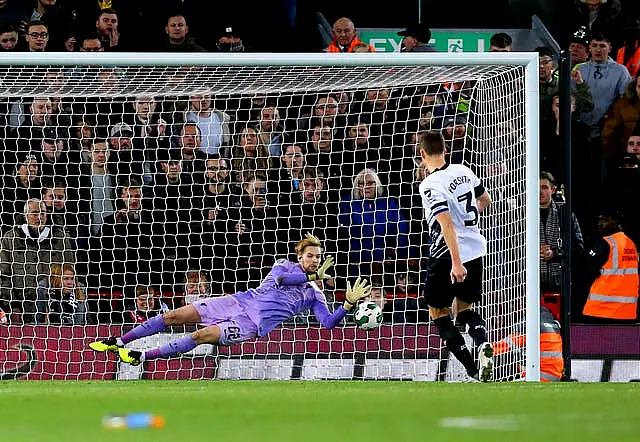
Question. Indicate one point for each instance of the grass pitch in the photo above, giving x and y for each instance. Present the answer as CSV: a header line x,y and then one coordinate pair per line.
x,y
248,411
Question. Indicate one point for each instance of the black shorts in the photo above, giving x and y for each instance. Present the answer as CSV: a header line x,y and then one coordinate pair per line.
x,y
439,292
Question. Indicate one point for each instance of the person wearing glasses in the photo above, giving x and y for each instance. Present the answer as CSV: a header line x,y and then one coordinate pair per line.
x,y
549,86
37,36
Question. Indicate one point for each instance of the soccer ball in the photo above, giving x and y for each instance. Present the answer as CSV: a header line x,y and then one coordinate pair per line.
x,y
368,315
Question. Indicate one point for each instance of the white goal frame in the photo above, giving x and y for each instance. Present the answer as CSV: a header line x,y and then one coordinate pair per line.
x,y
525,59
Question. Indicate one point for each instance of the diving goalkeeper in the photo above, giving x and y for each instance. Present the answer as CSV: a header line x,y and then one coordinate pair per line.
x,y
288,289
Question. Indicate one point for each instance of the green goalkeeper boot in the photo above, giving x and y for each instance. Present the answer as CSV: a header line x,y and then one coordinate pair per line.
x,y
131,357
110,344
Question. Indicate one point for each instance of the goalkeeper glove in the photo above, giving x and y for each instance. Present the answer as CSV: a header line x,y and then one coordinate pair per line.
x,y
360,290
322,270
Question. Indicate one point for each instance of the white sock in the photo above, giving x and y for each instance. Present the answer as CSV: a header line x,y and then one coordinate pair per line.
x,y
119,342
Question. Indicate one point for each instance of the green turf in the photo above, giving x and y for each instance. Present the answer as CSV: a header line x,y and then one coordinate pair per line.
x,y
246,411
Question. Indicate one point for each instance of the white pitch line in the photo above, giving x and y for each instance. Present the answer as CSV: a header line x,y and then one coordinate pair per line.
x,y
502,423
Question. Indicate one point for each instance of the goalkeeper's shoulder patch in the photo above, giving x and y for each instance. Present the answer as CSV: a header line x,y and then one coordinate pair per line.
x,y
281,261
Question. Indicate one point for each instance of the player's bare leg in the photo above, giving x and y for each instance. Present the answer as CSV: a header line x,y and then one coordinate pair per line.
x,y
452,339
476,328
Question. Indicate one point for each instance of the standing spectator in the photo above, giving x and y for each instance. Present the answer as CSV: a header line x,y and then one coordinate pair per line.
x,y
170,198
271,130
416,39
550,235
344,36
177,40
500,42
213,124
619,123
8,37
378,231
549,86
58,21
621,190
23,185
108,30
26,254
579,47
97,187
629,54
12,14
606,79
598,16
190,144
230,41
613,264
37,36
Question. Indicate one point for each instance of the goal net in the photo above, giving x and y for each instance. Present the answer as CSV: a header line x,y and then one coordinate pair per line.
x,y
136,186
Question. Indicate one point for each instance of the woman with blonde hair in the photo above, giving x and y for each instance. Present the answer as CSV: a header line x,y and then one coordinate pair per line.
x,y
249,154
61,297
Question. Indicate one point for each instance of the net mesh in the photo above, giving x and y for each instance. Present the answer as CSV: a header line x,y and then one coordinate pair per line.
x,y
128,191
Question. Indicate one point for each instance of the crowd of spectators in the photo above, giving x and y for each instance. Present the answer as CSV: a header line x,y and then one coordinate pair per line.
x,y
115,208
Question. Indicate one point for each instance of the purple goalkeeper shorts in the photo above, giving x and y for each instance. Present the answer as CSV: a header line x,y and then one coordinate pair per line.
x,y
225,312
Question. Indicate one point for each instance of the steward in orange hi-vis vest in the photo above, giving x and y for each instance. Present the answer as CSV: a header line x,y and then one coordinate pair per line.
x,y
633,58
614,293
551,361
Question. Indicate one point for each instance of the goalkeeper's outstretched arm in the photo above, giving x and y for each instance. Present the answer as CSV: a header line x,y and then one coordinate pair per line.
x,y
360,290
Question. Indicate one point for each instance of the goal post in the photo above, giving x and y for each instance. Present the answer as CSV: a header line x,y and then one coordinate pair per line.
x,y
492,99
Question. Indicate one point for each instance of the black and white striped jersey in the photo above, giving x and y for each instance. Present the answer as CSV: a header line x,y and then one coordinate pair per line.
x,y
454,188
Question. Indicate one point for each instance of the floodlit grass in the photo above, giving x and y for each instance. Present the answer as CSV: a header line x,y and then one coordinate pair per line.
x,y
247,411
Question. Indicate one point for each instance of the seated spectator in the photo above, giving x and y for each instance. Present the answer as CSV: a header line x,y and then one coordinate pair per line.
x,y
500,42
344,36
29,250
377,229
362,47
146,306
196,285
416,39
91,43
61,298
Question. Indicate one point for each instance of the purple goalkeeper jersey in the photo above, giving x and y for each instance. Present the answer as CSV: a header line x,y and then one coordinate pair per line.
x,y
284,293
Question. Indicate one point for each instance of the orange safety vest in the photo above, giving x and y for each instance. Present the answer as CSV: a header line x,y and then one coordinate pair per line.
x,y
551,361
333,47
614,295
633,65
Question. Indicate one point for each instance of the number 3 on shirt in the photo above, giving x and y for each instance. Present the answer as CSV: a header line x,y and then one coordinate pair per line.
x,y
470,208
